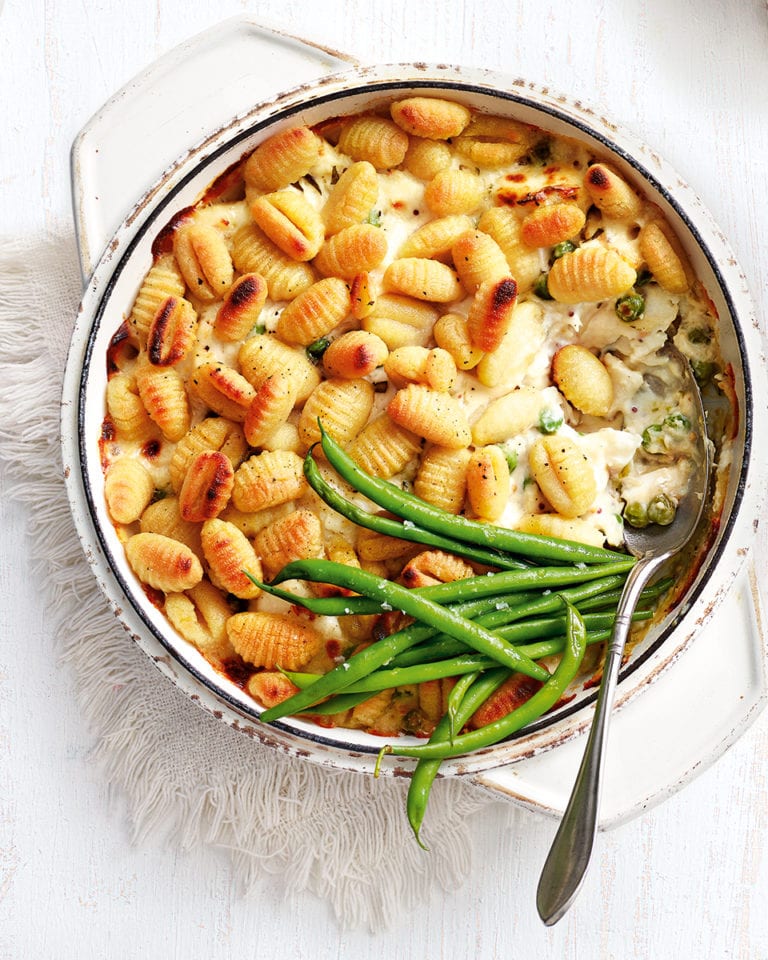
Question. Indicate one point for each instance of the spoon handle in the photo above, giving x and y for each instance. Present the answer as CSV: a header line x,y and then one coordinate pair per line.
x,y
569,855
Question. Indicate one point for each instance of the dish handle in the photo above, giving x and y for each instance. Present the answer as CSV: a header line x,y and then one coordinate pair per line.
x,y
645,764
174,104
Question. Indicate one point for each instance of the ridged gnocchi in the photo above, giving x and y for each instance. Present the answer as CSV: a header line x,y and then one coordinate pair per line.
x,y
212,433
271,405
611,193
254,252
165,399
436,416
273,640
583,380
163,280
263,355
488,482
200,615
282,159
377,140
296,536
223,389
353,250
588,274
291,223
241,307
351,198
564,474
342,405
230,557
163,563
430,117
490,313
204,260
442,477
207,486
383,447
315,312
267,479
453,190
355,354
423,279
128,490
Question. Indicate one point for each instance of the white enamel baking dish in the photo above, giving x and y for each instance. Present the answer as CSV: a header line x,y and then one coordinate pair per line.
x,y
161,140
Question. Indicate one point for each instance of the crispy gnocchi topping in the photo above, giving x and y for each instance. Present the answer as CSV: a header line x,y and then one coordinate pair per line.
x,y
475,310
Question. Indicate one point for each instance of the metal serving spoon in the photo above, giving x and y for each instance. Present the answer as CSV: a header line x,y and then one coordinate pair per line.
x,y
569,855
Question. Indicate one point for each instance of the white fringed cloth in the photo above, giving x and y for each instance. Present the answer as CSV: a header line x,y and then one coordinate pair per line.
x,y
341,836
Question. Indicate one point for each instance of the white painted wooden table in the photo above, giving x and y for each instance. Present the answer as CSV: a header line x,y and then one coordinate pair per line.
x,y
690,878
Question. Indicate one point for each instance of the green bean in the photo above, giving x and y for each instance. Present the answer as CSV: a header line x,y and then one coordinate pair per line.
x,y
385,679
455,699
464,661
342,606
403,531
430,517
354,695
399,676
544,698
361,664
426,770
555,645
416,605
495,584
341,676
339,703
322,606
439,648
496,592
387,649
547,627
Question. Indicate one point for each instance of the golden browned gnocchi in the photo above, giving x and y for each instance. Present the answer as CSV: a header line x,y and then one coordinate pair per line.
x,y
472,307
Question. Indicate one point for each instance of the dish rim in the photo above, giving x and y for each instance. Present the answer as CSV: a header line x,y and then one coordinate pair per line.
x,y
584,128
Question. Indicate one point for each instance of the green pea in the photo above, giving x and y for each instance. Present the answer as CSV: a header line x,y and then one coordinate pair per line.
x,y
652,437
636,515
541,288
678,421
699,335
630,307
316,350
560,249
703,370
511,457
542,151
644,277
550,421
661,510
